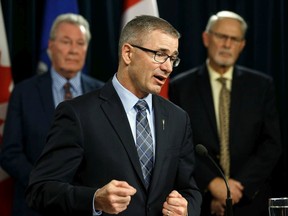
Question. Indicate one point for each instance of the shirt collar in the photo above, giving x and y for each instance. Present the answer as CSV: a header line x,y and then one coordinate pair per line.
x,y
59,81
214,75
128,98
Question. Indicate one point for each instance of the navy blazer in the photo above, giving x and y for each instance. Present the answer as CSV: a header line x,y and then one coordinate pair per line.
x,y
30,112
91,143
255,144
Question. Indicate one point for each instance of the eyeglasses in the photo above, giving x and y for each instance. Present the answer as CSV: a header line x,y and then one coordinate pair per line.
x,y
159,56
224,37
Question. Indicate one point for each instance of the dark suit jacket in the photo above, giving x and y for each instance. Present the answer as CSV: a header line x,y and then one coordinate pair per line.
x,y
254,129
29,116
91,143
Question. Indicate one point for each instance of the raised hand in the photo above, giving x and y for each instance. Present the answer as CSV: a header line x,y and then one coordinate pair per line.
x,y
114,197
175,205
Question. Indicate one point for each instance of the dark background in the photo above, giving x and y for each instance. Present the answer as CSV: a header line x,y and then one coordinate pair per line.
x,y
266,49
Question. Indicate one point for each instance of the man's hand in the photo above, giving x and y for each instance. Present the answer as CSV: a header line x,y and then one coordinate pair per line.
x,y
175,205
236,189
217,207
114,197
218,189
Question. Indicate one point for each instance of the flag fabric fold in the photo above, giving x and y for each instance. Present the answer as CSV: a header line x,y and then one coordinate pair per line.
x,y
6,86
52,9
132,8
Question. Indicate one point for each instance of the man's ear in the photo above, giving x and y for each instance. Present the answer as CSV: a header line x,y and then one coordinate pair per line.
x,y
242,45
50,43
205,38
127,53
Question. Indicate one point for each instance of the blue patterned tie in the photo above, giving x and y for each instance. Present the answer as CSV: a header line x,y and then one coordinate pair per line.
x,y
144,141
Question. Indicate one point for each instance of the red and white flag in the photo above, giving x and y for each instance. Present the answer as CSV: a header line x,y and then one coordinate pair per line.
x,y
134,8
6,85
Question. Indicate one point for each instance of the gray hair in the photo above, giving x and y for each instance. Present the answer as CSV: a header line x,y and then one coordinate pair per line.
x,y
226,14
137,30
75,19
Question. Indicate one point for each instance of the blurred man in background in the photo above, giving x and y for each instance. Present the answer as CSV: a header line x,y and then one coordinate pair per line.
x,y
233,114
33,101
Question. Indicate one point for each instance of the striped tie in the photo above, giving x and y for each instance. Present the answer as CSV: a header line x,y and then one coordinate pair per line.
x,y
224,107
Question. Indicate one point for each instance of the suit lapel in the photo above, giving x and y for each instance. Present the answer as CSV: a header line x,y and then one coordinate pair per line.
x,y
87,86
162,125
44,86
236,100
206,95
114,111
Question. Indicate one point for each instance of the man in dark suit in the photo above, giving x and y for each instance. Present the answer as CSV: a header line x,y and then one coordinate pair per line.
x,y
33,101
91,163
252,133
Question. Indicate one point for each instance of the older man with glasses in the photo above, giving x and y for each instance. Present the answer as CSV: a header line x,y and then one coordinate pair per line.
x,y
233,114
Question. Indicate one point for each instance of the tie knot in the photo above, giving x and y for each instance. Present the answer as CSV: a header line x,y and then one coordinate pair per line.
x,y
141,105
67,86
222,80
67,92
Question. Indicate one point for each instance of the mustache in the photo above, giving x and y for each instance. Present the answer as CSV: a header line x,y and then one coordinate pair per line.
x,y
225,52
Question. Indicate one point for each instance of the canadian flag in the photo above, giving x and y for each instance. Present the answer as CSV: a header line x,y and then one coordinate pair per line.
x,y
6,85
134,8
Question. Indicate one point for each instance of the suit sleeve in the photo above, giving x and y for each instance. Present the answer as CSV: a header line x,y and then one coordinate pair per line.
x,y
13,158
185,178
52,186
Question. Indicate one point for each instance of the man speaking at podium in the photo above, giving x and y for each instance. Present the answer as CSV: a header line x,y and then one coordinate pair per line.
x,y
122,149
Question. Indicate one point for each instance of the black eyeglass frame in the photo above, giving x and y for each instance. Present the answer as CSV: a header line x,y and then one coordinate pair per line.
x,y
175,60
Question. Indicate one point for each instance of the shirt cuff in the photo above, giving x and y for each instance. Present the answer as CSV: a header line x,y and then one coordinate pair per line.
x,y
95,212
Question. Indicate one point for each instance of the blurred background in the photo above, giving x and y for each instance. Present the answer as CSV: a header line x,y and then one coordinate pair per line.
x,y
266,48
